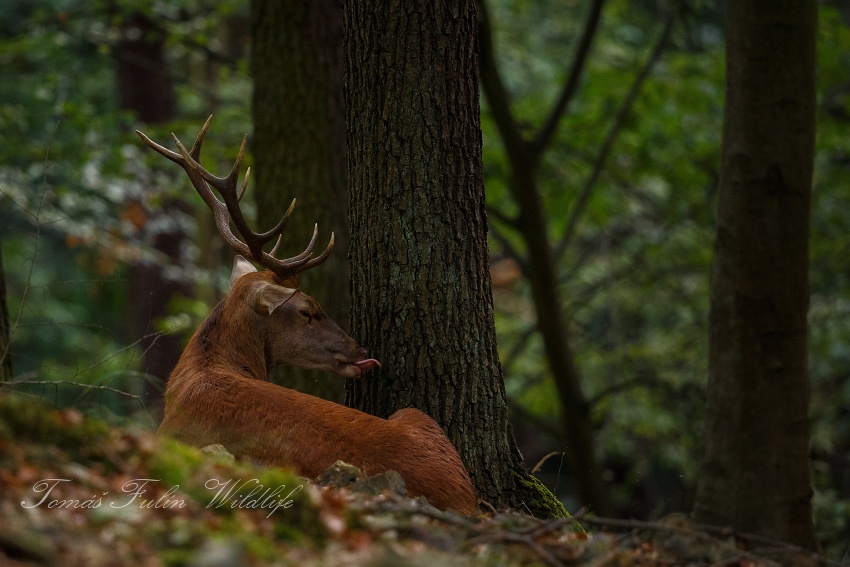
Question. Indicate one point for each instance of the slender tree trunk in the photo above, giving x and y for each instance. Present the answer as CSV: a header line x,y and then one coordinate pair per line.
x,y
144,86
755,472
582,462
5,335
299,146
524,156
421,290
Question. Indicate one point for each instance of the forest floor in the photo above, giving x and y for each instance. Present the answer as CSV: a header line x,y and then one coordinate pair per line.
x,y
74,492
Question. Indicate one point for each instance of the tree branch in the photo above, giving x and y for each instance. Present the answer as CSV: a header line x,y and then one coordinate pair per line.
x,y
494,88
613,132
539,423
544,136
502,217
507,247
516,350
618,387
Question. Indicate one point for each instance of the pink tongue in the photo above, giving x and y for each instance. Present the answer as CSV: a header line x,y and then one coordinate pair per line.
x,y
367,364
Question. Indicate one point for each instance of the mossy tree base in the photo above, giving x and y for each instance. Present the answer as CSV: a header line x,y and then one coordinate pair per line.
x,y
533,497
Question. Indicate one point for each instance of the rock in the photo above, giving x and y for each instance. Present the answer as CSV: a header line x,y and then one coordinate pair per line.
x,y
389,481
217,450
339,475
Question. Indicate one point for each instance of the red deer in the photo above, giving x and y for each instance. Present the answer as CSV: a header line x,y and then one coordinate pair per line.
x,y
220,392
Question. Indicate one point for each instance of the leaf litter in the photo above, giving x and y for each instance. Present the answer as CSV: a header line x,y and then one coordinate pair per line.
x,y
75,492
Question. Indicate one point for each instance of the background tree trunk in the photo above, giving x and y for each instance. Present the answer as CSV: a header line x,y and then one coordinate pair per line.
x,y
144,86
755,473
299,147
524,154
421,296
5,336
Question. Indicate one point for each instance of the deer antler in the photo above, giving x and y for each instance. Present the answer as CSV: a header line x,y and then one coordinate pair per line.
x,y
229,210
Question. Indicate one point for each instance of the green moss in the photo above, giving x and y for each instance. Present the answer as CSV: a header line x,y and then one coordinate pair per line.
x,y
297,516
24,418
202,477
540,500
49,434
258,546
281,511
176,557
174,462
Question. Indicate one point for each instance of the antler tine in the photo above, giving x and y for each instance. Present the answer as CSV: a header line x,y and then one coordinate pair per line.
x,y
321,257
276,245
244,185
175,157
302,261
278,228
195,152
296,261
226,187
188,160
198,182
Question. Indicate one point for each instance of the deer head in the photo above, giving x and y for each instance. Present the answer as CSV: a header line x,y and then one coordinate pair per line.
x,y
294,330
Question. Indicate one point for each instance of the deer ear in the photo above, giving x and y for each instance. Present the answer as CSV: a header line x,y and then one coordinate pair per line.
x,y
241,266
264,297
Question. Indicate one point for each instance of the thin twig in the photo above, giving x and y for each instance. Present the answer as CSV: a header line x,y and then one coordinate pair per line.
x,y
70,383
518,347
544,136
542,461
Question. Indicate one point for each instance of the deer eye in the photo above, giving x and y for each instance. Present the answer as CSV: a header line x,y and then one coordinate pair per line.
x,y
305,313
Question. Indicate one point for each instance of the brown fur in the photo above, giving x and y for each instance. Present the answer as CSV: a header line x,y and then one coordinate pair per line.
x,y
219,393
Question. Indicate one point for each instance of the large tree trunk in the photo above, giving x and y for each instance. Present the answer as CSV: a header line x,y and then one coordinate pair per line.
x,y
421,287
144,86
755,472
299,146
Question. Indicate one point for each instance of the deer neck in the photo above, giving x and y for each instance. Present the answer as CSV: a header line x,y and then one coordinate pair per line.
x,y
232,340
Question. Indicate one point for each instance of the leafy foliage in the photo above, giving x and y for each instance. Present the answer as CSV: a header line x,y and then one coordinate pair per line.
x,y
77,191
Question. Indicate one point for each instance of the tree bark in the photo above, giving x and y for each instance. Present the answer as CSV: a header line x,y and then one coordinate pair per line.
x,y
755,471
421,290
299,147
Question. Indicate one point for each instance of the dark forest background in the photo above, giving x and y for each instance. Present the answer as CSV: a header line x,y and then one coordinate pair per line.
x,y
110,261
